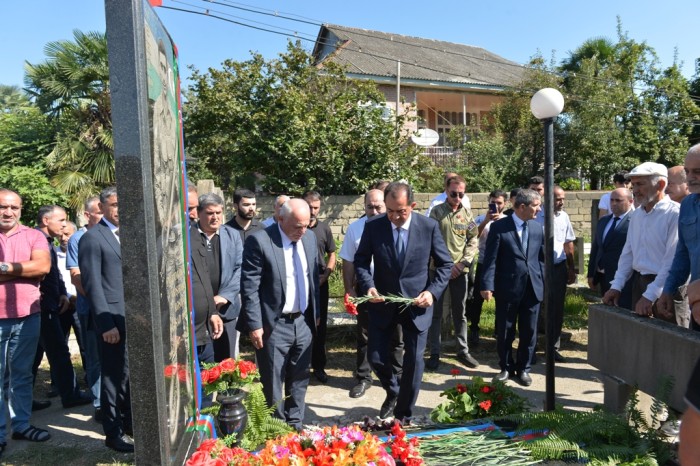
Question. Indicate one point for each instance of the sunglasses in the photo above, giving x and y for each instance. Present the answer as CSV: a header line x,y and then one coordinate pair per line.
x,y
455,194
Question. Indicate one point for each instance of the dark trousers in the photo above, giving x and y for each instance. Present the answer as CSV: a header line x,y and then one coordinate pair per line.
x,y
115,394
559,279
364,371
226,346
524,313
458,289
379,354
69,320
285,359
476,302
52,341
625,295
318,353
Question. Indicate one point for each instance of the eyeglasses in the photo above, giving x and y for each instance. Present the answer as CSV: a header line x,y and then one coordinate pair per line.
x,y
455,194
373,207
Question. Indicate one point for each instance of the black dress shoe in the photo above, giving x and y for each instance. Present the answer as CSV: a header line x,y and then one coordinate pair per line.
x,y
468,360
501,376
359,390
524,379
433,363
388,406
53,392
122,444
321,376
80,400
559,358
38,405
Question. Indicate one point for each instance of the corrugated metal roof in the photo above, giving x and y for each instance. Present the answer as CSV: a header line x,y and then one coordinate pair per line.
x,y
375,53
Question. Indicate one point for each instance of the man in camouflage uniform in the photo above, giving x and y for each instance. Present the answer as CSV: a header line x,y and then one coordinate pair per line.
x,y
460,232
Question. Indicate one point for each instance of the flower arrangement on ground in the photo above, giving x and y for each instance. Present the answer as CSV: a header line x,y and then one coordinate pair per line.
x,y
228,376
477,399
337,446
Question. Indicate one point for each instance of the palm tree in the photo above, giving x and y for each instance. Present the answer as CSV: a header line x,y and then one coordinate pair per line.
x,y
12,98
600,48
72,85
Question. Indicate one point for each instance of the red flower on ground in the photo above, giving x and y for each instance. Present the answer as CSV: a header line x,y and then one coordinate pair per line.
x,y
485,405
227,365
454,372
349,305
461,388
486,389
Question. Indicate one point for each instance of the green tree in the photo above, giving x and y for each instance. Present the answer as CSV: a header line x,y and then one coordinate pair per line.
x,y
26,137
33,187
72,85
694,91
296,126
12,98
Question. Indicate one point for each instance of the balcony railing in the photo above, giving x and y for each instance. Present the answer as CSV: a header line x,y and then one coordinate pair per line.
x,y
444,156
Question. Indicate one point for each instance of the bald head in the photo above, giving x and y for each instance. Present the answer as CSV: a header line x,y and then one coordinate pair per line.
x,y
621,200
294,218
677,187
374,203
692,169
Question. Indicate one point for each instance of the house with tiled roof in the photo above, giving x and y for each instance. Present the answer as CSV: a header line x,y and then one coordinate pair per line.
x,y
449,84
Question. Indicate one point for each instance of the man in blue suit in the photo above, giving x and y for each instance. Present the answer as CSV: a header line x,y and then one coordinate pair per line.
x,y
400,245
610,238
513,269
100,262
280,291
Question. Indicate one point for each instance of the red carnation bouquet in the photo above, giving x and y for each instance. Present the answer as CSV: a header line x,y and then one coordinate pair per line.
x,y
351,302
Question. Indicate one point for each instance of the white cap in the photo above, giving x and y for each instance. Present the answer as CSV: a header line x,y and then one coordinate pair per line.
x,y
648,169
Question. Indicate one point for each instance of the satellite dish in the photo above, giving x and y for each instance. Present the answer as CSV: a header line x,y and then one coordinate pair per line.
x,y
425,137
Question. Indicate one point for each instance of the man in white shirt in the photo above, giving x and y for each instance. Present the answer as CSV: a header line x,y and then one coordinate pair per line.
x,y
651,242
442,197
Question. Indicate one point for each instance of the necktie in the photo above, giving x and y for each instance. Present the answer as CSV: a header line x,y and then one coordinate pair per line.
x,y
302,294
524,237
400,248
612,228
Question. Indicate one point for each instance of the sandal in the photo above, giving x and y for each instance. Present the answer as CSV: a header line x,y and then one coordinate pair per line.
x,y
33,434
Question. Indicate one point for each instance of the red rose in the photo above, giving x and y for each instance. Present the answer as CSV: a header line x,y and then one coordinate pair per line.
x,y
349,305
214,374
454,372
208,445
204,375
486,389
227,365
170,370
245,367
485,405
199,458
461,388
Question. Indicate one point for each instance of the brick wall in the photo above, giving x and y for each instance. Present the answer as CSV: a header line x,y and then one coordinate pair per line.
x,y
340,211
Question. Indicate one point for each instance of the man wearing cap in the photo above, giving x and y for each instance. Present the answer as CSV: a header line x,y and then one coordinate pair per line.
x,y
651,242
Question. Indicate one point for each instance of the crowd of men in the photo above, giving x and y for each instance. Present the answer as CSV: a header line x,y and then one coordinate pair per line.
x,y
269,280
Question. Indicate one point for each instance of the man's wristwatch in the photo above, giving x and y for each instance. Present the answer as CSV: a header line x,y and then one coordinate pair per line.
x,y
4,268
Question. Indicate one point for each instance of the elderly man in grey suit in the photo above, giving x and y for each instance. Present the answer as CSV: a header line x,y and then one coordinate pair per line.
x,y
280,291
100,261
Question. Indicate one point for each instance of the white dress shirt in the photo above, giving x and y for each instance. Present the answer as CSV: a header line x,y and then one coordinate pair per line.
x,y
563,233
650,247
291,289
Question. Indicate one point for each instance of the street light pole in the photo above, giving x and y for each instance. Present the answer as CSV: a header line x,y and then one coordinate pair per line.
x,y
545,105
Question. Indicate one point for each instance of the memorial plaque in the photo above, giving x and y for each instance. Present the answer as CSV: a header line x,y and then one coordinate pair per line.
x,y
144,81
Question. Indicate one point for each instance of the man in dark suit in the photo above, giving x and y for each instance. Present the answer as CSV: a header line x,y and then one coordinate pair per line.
x,y
513,269
100,262
280,291
216,278
610,238
400,245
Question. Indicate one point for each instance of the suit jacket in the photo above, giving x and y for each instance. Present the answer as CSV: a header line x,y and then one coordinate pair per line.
x,y
231,253
424,242
100,262
507,267
264,284
52,286
605,254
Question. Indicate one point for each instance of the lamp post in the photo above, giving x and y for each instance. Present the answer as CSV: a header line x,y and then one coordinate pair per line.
x,y
545,105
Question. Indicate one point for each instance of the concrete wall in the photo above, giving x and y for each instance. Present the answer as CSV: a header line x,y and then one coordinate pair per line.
x,y
340,211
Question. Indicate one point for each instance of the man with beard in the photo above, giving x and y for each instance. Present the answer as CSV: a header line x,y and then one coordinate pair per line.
x,y
244,221
651,243
326,264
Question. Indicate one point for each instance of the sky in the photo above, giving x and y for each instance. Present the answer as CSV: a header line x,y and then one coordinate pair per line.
x,y
513,29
